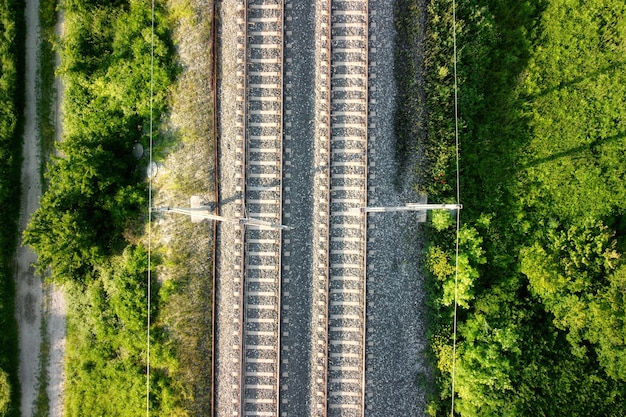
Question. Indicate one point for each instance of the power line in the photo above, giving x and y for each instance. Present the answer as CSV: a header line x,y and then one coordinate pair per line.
x,y
149,277
458,201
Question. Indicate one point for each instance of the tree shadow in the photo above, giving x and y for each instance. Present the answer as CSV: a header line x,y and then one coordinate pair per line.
x,y
608,69
592,147
494,133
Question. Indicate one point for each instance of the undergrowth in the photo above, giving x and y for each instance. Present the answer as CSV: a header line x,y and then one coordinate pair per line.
x,y
542,231
12,41
91,227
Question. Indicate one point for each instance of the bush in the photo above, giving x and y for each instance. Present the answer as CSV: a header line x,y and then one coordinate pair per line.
x,y
96,197
11,110
541,105
96,188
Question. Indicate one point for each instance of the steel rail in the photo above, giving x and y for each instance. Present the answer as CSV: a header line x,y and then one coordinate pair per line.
x,y
280,208
328,185
216,188
364,215
242,300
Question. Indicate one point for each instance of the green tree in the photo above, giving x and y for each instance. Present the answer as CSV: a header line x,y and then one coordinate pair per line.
x,y
577,274
541,93
486,367
443,265
607,325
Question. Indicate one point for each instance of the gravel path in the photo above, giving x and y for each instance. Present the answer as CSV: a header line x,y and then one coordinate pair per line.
x,y
56,310
30,294
56,313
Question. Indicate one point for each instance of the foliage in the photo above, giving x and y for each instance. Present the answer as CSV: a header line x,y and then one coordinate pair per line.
x,y
541,324
89,219
577,85
47,112
441,220
457,286
11,109
576,275
95,186
106,356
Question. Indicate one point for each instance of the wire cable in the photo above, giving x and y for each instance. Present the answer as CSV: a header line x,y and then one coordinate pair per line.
x,y
150,175
458,201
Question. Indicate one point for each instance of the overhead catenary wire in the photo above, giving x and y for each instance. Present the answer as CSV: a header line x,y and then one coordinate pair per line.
x,y
150,168
458,201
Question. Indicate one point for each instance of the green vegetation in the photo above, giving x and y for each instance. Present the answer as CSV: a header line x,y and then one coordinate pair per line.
x,y
46,118
184,247
186,313
106,346
42,403
46,111
95,188
5,393
542,287
11,109
89,226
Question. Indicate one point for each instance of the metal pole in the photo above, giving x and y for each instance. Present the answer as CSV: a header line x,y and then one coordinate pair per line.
x,y
409,207
202,213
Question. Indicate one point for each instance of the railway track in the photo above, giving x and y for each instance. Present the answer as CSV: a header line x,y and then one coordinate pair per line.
x,y
262,190
291,332
338,310
347,233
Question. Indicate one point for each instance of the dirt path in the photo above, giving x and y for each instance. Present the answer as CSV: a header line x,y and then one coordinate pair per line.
x,y
56,308
56,313
29,292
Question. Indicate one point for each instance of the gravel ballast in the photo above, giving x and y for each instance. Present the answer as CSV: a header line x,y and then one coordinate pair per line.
x,y
227,342
396,333
298,199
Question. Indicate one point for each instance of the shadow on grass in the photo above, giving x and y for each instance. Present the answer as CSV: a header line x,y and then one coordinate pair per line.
x,y
495,132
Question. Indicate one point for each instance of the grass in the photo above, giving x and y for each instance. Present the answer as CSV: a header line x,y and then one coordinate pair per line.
x,y
186,272
541,128
46,106
105,353
42,403
106,296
